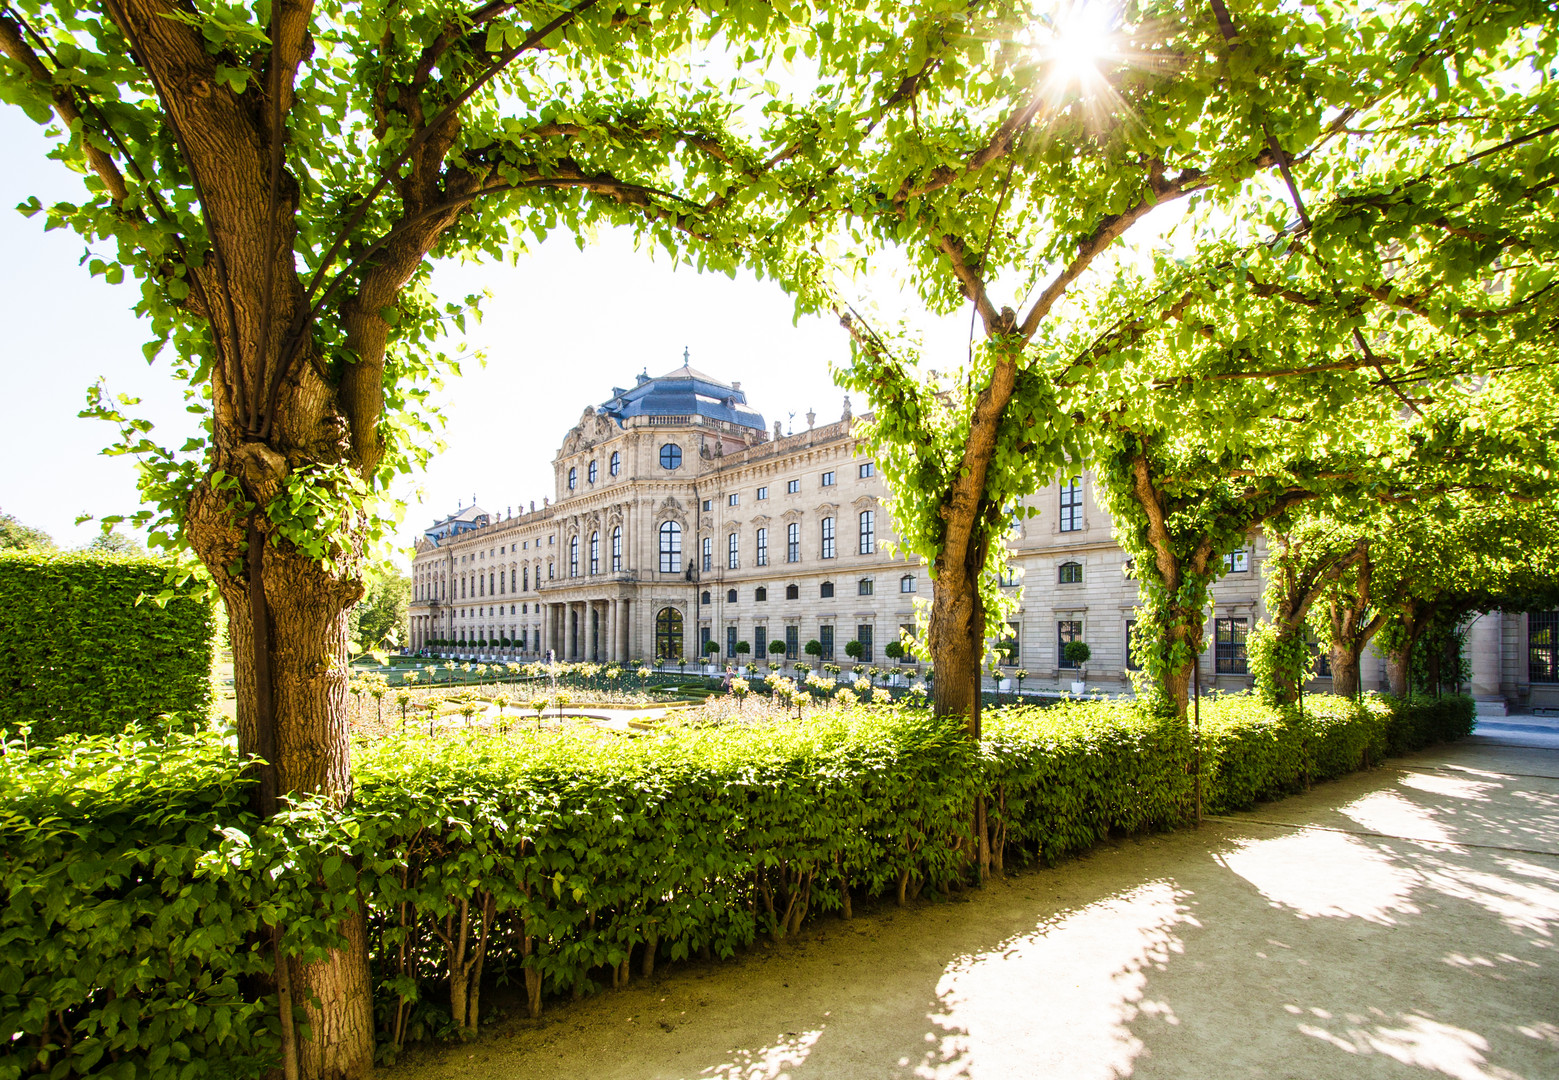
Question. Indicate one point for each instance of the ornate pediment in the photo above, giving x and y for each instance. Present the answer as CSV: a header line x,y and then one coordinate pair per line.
x,y
760,521
791,515
865,502
827,510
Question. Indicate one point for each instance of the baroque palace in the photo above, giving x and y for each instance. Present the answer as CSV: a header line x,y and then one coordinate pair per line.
x,y
680,519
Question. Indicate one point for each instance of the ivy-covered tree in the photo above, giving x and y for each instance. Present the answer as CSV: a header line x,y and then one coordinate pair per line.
x,y
1370,218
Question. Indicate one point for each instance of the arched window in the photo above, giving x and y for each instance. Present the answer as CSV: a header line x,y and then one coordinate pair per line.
x,y
671,456
826,590
792,592
615,466
760,594
868,532
617,549
732,551
591,473
828,538
730,596
573,478
668,633
670,549
595,553
703,597
1070,573
573,556
907,583
527,579
503,582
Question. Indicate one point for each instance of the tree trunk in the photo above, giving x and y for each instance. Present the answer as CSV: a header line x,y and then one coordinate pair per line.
x,y
1345,669
307,627
957,640
1398,671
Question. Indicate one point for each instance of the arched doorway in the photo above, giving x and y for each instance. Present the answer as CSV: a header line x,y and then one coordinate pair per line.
x,y
668,634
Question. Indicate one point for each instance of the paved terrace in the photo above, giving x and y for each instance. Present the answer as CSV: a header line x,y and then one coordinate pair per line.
x,y
1399,923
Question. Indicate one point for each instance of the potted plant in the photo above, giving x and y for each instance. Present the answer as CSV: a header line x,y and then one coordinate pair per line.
x,y
813,648
1020,675
1076,654
776,654
711,647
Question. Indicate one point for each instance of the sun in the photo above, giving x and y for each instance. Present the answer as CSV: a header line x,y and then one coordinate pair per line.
x,y
1075,41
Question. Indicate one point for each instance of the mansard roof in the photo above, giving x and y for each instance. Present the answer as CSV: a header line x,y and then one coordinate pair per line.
x,y
684,391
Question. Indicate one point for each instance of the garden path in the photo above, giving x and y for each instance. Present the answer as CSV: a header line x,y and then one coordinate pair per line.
x,y
1399,923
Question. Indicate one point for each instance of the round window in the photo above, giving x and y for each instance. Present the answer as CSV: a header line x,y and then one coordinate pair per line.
x,y
671,456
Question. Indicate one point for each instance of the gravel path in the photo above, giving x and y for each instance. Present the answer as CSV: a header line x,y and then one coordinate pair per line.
x,y
1398,923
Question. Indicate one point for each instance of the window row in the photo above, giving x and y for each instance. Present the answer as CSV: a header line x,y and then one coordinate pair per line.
x,y
789,645
864,587
670,544
614,467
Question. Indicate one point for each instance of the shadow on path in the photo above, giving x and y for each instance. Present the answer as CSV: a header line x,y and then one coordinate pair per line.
x,y
1397,923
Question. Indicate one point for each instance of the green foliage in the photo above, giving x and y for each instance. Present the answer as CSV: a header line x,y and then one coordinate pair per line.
x,y
380,620
93,642
135,875
1076,652
122,932
854,650
1278,660
17,536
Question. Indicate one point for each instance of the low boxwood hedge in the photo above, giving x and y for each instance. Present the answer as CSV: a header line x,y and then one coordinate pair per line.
x,y
135,878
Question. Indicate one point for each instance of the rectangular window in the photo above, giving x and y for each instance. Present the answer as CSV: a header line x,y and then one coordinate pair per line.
x,y
907,583
906,631
864,587
828,538
868,469
763,547
863,634
1131,645
1067,630
1543,646
792,642
868,532
732,551
792,487
732,499
709,504
709,553
1237,562
793,542
1229,639
730,641
828,479
1072,505
760,643
1010,650
825,638
763,493
705,635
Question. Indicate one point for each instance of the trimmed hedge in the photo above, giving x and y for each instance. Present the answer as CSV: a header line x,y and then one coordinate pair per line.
x,y
82,651
132,874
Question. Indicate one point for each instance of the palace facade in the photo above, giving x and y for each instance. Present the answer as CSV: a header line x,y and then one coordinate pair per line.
x,y
680,519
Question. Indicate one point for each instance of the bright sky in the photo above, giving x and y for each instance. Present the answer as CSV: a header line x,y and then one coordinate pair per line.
x,y
561,330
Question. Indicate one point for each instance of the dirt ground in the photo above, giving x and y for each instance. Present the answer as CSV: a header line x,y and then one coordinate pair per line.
x,y
1398,923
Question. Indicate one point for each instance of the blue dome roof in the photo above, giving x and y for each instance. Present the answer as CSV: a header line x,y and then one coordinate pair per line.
x,y
683,392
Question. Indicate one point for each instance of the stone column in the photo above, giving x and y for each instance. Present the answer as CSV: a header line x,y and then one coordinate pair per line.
x,y
1485,645
611,632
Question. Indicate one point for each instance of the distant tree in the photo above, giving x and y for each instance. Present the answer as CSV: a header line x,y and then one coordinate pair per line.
x,y
380,619
14,536
117,543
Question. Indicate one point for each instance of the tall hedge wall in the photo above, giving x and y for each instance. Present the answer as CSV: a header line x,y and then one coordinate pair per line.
x,y
78,653
132,873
